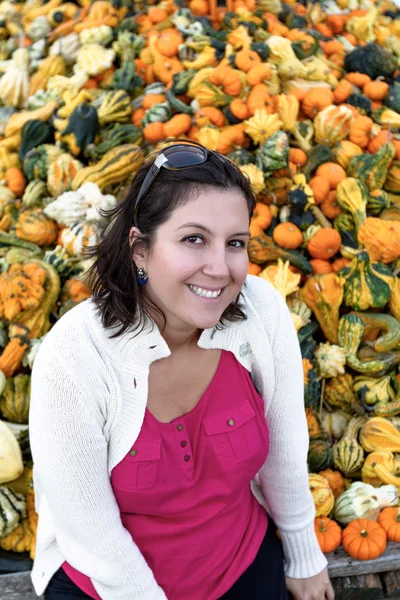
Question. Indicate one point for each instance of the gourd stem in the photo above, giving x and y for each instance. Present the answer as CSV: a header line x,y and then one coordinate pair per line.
x,y
319,215
321,398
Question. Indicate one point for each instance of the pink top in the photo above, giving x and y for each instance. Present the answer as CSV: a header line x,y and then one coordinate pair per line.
x,y
184,490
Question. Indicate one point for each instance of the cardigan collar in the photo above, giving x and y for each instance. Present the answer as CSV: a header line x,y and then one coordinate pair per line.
x,y
150,345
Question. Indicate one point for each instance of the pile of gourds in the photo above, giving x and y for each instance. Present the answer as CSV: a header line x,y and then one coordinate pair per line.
x,y
305,99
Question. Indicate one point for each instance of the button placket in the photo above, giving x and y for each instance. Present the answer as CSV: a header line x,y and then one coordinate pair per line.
x,y
185,450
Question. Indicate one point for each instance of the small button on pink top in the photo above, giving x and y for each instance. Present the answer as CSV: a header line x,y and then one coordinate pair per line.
x,y
184,490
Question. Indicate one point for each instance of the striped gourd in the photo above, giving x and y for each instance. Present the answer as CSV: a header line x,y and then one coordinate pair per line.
x,y
12,510
348,454
115,166
114,107
322,494
14,401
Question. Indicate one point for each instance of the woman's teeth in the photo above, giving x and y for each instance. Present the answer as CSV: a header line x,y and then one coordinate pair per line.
x,y
205,293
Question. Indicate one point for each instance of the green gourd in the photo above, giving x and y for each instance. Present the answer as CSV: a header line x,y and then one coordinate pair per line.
x,y
366,284
12,510
320,455
14,401
81,129
34,133
319,154
37,161
372,169
125,78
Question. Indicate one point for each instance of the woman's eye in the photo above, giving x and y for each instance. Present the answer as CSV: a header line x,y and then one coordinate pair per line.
x,y
194,239
237,243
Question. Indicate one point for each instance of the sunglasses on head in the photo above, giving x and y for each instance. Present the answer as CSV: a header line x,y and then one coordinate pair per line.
x,y
174,158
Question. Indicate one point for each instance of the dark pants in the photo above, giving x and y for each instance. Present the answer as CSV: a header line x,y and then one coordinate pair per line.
x,y
263,580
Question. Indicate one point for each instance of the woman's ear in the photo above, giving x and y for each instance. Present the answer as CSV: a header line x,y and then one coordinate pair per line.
x,y
139,250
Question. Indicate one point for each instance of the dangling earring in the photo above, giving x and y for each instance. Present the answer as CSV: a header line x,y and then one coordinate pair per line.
x,y
142,276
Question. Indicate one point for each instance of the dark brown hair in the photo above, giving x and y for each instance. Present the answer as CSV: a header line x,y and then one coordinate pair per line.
x,y
121,300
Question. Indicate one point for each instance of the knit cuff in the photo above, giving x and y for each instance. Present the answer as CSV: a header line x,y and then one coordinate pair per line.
x,y
303,556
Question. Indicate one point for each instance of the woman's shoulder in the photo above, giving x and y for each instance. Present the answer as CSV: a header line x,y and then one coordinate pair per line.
x,y
74,330
262,295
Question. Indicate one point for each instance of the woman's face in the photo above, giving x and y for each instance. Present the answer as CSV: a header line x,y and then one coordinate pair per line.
x,y
201,251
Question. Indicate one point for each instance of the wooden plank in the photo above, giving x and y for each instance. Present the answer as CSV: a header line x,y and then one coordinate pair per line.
x,y
17,586
391,583
340,564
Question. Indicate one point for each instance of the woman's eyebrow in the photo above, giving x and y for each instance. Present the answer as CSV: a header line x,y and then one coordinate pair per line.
x,y
199,226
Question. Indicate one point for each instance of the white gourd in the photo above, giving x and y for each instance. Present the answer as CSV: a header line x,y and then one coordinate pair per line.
x,y
14,85
363,501
11,465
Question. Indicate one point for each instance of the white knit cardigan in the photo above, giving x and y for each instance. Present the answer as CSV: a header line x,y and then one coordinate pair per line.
x,y
88,401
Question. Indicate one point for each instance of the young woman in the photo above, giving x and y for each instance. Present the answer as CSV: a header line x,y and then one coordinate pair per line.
x,y
167,421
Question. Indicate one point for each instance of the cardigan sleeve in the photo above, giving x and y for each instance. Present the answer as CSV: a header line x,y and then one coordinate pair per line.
x,y
69,450
284,476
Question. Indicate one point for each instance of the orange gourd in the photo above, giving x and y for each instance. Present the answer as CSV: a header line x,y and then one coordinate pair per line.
x,y
320,266
178,125
330,207
298,156
200,8
259,98
328,532
332,47
320,187
262,215
239,109
154,132
15,180
228,79
333,172
376,90
287,235
335,480
157,14
168,42
259,73
342,91
255,228
152,99
389,520
325,243
254,269
246,60
137,116
359,79
340,263
360,131
209,115
364,539
231,138
379,140
316,100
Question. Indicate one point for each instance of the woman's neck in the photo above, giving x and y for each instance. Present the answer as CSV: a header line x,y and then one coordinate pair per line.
x,y
180,340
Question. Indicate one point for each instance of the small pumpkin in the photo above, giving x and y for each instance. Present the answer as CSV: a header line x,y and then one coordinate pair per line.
x,y
325,243
320,187
15,181
364,539
333,172
389,520
336,481
329,534
287,235
376,90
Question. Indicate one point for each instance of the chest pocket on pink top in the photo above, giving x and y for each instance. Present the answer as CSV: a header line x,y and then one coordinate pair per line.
x,y
233,433
138,470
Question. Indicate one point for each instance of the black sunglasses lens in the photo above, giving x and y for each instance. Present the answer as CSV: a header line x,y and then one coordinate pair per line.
x,y
180,158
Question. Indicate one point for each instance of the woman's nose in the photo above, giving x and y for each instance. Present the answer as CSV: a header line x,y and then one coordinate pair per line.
x,y
217,265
